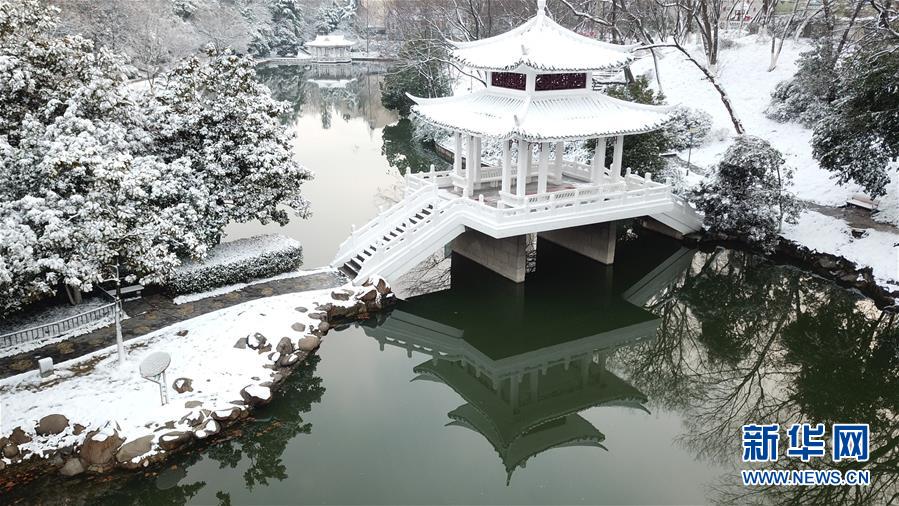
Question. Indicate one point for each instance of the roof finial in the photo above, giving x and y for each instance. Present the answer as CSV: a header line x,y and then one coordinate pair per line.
x,y
541,7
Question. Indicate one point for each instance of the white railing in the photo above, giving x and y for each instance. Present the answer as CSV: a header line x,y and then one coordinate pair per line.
x,y
412,202
58,328
452,214
420,180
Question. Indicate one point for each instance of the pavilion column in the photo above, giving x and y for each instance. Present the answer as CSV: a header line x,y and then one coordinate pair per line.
x,y
616,156
507,166
558,162
543,167
524,159
477,161
469,163
457,159
599,161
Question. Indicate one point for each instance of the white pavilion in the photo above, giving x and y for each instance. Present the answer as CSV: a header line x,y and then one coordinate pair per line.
x,y
333,48
538,97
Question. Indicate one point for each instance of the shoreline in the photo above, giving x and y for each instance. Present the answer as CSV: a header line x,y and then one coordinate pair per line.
x,y
57,446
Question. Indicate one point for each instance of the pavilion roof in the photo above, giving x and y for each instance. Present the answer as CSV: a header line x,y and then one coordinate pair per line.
x,y
332,40
542,44
535,118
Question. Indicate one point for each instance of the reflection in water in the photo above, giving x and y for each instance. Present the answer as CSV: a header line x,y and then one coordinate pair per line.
x,y
528,358
743,341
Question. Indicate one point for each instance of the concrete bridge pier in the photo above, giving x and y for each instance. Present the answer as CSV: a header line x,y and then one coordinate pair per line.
x,y
506,257
595,241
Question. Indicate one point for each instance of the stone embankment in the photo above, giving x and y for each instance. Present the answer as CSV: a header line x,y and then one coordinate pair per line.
x,y
104,449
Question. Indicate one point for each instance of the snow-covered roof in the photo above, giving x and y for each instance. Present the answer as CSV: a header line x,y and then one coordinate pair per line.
x,y
333,40
536,118
541,44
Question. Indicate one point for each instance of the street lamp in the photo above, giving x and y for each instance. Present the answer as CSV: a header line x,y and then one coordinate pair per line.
x,y
120,346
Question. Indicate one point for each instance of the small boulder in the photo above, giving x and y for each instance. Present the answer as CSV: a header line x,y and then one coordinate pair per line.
x,y
182,332
324,327
208,428
19,436
341,295
77,429
256,395
241,343
134,448
285,346
193,404
287,360
226,414
299,327
301,309
72,467
182,385
265,349
11,450
382,286
100,448
256,341
309,343
174,439
369,295
51,425
194,418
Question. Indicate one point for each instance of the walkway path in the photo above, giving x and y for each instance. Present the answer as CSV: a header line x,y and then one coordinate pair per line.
x,y
155,311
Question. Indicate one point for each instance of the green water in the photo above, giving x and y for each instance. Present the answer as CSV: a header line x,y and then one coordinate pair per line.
x,y
586,384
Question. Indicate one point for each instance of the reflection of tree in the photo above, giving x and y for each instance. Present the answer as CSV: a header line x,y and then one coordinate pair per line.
x,y
404,152
287,83
263,443
744,341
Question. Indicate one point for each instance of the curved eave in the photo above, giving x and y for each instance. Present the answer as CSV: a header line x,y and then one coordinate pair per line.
x,y
551,118
543,45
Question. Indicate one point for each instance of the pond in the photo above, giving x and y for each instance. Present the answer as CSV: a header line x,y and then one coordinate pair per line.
x,y
587,384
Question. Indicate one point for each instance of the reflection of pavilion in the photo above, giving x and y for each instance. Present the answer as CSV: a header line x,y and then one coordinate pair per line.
x,y
527,359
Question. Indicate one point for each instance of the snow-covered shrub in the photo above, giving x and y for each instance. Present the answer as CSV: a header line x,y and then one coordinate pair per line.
x,y
184,9
688,128
334,15
806,97
237,261
859,138
746,193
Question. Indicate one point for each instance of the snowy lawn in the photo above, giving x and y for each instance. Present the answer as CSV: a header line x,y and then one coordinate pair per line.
x,y
743,73
94,390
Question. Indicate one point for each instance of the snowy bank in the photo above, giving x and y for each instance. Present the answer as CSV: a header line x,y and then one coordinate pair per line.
x,y
222,365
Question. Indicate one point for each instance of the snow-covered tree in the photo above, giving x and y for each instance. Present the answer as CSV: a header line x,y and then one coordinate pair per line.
x,y
806,97
97,173
642,152
215,113
334,15
858,138
747,194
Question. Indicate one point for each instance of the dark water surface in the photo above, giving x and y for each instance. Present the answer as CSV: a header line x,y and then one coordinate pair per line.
x,y
586,384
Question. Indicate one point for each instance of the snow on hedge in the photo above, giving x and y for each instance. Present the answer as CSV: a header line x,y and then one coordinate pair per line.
x,y
237,261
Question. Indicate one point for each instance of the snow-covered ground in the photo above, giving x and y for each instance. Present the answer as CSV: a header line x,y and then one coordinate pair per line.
x,y
743,72
222,290
94,390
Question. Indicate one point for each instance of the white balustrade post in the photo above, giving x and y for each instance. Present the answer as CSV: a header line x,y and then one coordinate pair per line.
x,y
469,166
507,166
524,157
617,155
599,161
477,161
543,167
